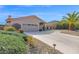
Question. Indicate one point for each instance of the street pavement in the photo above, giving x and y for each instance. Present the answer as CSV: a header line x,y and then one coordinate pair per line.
x,y
65,43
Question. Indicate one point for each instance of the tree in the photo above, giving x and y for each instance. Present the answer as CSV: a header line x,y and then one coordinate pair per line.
x,y
71,19
63,24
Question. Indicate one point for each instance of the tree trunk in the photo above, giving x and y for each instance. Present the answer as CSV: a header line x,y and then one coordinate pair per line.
x,y
69,29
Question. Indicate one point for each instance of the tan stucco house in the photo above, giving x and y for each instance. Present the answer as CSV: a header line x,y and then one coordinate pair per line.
x,y
28,23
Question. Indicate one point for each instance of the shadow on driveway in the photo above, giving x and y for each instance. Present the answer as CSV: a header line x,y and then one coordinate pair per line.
x,y
40,32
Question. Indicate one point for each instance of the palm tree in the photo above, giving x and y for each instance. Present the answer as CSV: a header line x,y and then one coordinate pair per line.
x,y
71,19
62,23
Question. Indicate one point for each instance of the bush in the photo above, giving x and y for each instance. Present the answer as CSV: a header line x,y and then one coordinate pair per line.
x,y
30,40
9,28
77,26
12,44
21,31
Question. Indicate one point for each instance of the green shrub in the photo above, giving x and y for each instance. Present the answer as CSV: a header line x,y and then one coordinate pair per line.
x,y
77,26
12,44
12,33
9,28
21,31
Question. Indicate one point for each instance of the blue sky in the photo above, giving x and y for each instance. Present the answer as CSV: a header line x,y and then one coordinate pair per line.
x,y
45,12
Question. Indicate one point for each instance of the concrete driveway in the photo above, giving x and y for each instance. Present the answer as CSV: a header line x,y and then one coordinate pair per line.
x,y
65,43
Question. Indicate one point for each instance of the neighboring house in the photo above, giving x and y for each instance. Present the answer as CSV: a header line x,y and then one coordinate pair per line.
x,y
28,23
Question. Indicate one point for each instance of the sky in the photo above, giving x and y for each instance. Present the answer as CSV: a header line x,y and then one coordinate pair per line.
x,y
45,12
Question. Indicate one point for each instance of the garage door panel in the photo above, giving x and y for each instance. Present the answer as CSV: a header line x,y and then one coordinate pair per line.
x,y
30,28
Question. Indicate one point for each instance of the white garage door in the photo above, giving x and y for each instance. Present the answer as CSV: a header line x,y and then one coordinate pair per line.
x,y
30,27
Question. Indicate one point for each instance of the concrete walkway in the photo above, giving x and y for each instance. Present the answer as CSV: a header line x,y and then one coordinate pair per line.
x,y
65,43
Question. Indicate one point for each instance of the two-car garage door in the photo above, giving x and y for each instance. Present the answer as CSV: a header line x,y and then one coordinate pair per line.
x,y
30,27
